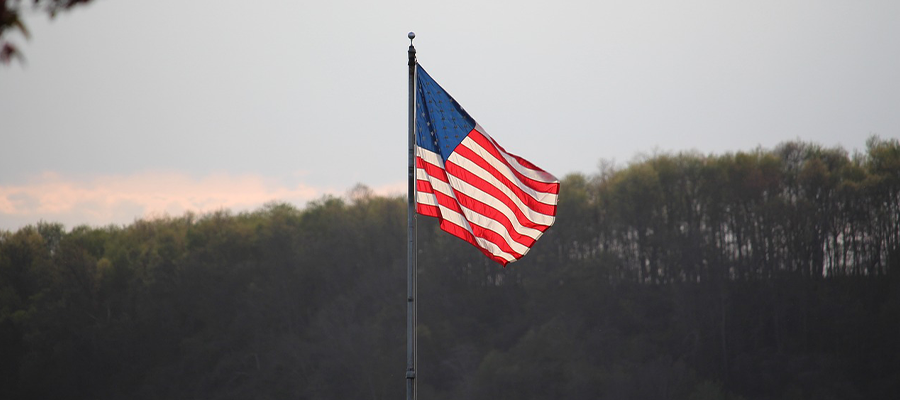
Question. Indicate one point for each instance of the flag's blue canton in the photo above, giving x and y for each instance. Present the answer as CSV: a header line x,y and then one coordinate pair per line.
x,y
441,124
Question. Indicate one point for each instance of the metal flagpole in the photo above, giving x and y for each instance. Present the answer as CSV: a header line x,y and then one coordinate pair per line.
x,y
411,233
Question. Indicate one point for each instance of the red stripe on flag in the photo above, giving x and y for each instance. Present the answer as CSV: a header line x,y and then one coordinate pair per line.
x,y
495,215
524,196
493,191
521,160
428,210
463,234
432,170
489,146
478,203
460,200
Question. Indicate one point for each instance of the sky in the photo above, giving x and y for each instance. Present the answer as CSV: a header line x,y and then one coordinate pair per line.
x,y
127,109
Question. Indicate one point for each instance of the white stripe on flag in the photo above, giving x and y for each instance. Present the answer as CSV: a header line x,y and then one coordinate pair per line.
x,y
532,215
500,228
541,176
543,197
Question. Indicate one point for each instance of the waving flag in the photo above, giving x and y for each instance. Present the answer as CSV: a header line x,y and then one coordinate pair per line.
x,y
494,200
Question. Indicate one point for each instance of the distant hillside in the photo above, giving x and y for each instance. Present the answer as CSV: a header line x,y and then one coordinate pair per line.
x,y
770,274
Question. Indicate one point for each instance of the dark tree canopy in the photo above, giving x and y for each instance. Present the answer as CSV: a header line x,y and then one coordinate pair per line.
x,y
769,274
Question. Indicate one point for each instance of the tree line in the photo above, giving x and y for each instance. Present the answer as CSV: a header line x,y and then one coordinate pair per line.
x,y
767,274
800,209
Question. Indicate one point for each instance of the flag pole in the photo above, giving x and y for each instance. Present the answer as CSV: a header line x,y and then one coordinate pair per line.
x,y
411,233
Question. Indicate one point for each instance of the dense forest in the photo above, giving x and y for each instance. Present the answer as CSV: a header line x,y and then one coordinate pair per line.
x,y
768,274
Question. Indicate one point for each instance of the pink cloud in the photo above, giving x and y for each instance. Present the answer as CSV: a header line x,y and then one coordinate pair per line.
x,y
391,189
120,199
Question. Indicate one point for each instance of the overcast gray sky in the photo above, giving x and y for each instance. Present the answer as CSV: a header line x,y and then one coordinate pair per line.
x,y
127,109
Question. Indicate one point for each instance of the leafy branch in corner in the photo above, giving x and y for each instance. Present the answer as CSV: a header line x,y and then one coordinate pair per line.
x,y
11,20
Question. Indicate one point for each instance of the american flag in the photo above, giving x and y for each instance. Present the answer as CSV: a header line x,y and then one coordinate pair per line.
x,y
497,201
